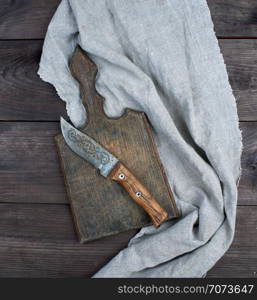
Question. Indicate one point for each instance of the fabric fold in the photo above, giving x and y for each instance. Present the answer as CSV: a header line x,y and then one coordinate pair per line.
x,y
60,43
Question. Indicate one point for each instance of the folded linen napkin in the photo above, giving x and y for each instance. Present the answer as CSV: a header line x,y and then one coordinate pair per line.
x,y
161,57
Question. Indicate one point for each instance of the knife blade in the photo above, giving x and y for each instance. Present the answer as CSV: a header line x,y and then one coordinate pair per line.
x,y
112,168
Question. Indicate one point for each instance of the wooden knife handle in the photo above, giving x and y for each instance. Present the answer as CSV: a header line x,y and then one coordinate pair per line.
x,y
139,193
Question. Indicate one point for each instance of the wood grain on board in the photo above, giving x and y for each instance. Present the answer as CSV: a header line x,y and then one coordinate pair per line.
x,y
234,18
28,19
30,171
38,240
102,207
24,96
29,167
240,260
248,182
241,61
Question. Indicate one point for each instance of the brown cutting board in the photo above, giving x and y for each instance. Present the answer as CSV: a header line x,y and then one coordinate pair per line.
x,y
100,206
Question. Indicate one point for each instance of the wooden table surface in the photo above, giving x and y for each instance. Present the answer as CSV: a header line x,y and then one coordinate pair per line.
x,y
37,237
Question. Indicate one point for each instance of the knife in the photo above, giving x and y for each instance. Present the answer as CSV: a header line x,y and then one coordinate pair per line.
x,y
112,168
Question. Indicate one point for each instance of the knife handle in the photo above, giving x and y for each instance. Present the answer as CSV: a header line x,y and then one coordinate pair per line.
x,y
139,193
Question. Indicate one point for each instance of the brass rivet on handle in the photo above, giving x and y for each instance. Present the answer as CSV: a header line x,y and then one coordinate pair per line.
x,y
122,176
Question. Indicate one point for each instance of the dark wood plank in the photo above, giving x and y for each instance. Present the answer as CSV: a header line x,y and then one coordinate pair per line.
x,y
241,60
29,167
234,18
24,96
241,259
34,222
237,263
248,182
39,241
30,171
28,19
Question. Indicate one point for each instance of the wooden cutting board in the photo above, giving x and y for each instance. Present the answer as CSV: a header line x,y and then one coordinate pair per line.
x,y
100,206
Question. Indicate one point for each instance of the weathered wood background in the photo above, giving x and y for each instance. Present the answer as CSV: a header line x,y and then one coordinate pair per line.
x,y
37,238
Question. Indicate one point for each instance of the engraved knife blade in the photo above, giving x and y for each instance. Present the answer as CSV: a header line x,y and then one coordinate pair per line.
x,y
110,167
86,147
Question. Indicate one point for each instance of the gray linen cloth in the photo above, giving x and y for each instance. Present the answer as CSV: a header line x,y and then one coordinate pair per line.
x,y
161,57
